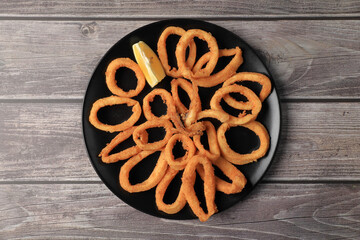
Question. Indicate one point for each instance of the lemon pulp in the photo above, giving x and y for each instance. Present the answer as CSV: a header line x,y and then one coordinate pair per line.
x,y
149,63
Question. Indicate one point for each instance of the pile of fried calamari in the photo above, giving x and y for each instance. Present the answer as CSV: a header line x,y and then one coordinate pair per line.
x,y
186,124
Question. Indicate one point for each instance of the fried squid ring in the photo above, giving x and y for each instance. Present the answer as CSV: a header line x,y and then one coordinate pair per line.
x,y
161,188
163,56
180,53
192,130
140,130
171,113
194,108
214,151
111,81
196,128
210,113
263,80
222,53
167,99
250,95
188,181
188,88
222,75
124,154
110,101
189,115
154,178
241,159
179,163
238,180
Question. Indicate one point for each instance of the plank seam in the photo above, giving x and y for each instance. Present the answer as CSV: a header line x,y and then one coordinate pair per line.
x,y
319,100
310,181
48,182
80,100
330,181
212,18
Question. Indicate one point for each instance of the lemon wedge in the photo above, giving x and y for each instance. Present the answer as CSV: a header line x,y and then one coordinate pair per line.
x,y
149,63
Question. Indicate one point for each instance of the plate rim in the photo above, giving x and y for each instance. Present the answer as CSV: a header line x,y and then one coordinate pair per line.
x,y
274,91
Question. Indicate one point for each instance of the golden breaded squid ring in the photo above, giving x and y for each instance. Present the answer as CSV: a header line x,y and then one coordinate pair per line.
x,y
141,130
188,88
124,154
250,95
161,188
163,56
188,181
194,108
238,180
241,159
192,130
210,113
263,80
214,151
154,178
222,53
111,81
110,101
167,99
171,113
181,53
223,74
179,163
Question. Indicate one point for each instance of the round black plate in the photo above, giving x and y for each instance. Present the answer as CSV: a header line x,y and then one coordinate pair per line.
x,y
95,139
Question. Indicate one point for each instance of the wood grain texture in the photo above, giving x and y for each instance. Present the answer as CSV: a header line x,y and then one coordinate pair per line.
x,y
43,142
55,60
162,8
48,51
319,141
82,211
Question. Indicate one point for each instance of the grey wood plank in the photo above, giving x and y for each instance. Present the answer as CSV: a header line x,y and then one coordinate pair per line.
x,y
82,211
55,60
43,142
162,8
315,141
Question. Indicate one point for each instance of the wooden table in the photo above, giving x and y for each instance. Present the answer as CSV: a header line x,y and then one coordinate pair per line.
x,y
48,188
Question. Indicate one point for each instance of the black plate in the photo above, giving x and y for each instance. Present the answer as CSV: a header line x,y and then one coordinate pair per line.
x,y
239,139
